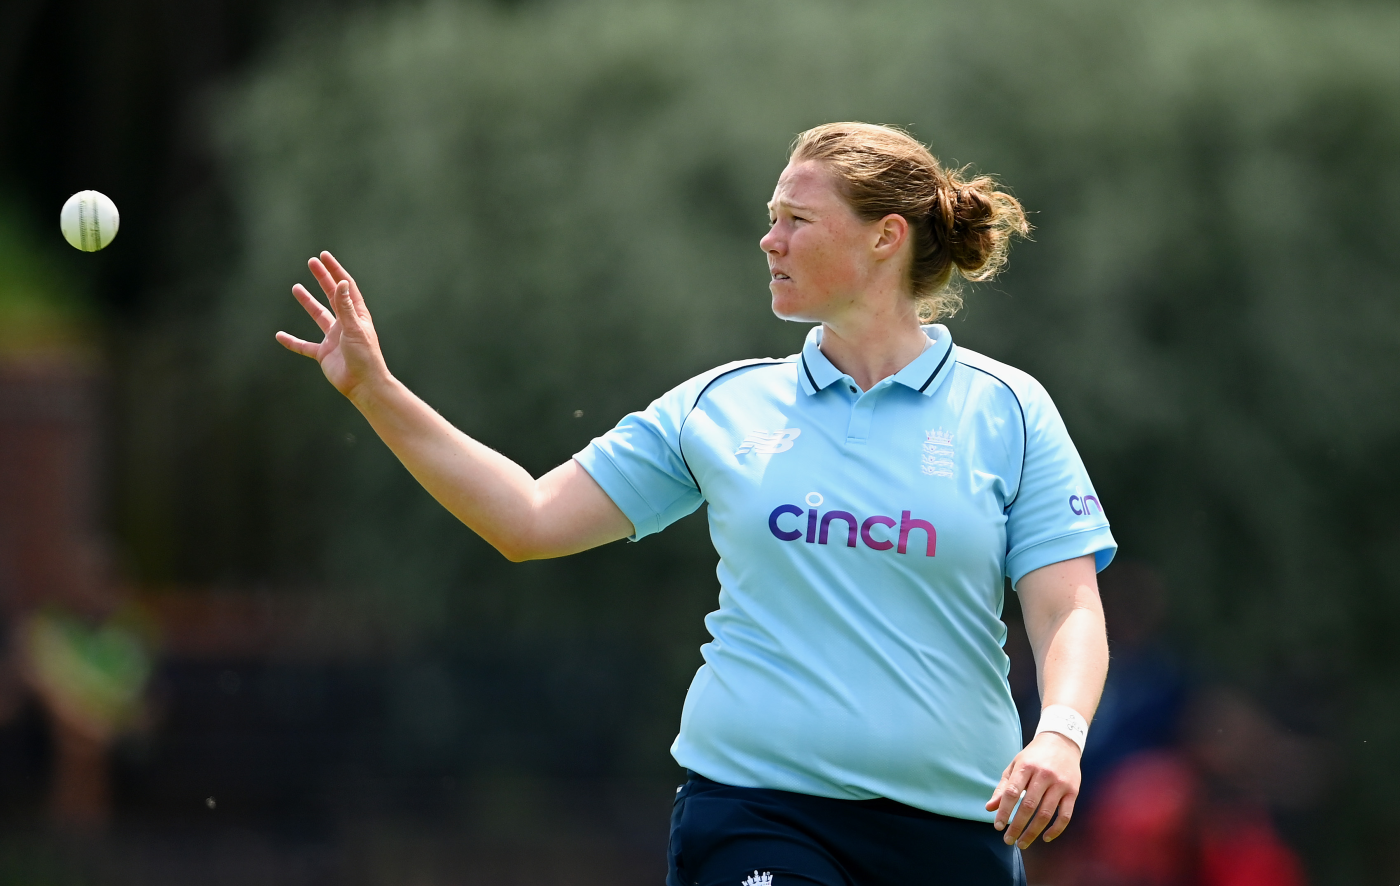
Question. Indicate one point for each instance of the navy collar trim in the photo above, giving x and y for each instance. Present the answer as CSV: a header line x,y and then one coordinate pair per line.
x,y
812,381
923,387
819,372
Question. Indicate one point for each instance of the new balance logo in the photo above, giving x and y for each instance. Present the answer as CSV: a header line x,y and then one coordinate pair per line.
x,y
768,442
763,879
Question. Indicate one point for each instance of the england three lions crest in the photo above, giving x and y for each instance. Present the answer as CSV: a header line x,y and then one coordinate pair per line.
x,y
763,879
938,454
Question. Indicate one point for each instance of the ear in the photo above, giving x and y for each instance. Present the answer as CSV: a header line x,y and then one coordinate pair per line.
x,y
891,233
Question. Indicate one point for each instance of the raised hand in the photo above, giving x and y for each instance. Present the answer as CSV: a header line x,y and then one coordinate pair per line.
x,y
563,512
349,354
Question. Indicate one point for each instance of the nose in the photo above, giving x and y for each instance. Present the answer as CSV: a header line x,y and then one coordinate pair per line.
x,y
771,242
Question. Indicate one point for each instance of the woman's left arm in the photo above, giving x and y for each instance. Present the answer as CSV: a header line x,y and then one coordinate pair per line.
x,y
1064,621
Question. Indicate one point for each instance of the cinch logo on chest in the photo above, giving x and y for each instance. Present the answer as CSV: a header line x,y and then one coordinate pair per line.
x,y
819,527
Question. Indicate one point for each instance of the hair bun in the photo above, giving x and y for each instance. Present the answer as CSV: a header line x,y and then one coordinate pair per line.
x,y
980,224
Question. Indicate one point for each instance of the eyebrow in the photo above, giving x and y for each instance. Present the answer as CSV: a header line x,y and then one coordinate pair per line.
x,y
791,205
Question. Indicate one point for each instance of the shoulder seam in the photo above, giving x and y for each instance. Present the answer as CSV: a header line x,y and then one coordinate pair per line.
x,y
1021,475
680,432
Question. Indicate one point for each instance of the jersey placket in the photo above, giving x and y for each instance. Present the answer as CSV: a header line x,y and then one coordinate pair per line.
x,y
863,412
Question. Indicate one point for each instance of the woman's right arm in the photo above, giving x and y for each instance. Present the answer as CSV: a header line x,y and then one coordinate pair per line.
x,y
524,518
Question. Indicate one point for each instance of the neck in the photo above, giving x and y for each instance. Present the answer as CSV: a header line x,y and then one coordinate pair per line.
x,y
872,346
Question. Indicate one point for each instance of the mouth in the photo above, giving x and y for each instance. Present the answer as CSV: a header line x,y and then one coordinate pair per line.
x,y
779,275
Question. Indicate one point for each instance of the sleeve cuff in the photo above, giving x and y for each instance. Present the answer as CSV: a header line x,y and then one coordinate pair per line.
x,y
600,467
1097,541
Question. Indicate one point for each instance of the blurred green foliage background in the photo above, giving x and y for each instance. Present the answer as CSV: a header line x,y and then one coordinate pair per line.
x,y
553,210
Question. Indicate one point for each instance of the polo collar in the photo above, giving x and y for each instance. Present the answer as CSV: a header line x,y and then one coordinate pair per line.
x,y
923,374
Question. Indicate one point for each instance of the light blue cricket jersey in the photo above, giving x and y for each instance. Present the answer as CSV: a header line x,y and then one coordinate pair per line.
x,y
863,538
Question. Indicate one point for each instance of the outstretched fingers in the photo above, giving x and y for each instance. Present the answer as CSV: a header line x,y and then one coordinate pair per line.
x,y
334,265
340,273
330,273
323,275
349,354
298,346
324,319
318,312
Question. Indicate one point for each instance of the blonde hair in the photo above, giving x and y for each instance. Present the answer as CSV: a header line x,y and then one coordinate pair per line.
x,y
961,227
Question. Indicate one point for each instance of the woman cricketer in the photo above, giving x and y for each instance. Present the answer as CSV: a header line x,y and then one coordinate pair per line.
x,y
868,498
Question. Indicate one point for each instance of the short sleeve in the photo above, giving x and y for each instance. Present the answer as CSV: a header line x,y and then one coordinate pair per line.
x,y
1056,514
639,463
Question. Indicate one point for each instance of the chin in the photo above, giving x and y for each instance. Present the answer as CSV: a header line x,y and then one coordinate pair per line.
x,y
786,309
784,313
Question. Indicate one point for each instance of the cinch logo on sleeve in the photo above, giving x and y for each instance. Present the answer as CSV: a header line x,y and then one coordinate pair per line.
x,y
768,442
1085,506
872,531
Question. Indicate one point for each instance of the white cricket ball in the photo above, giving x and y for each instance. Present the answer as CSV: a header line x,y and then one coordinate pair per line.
x,y
89,220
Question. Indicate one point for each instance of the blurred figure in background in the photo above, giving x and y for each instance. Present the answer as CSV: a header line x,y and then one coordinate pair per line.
x,y
86,658
1249,765
69,639
1181,783
1200,814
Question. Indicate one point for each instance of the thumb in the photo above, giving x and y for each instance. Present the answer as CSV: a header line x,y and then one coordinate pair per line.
x,y
344,306
995,800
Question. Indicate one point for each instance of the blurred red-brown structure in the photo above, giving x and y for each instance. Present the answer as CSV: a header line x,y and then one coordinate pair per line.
x,y
51,553
49,429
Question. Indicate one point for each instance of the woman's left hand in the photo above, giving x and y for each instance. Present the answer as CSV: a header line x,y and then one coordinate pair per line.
x,y
1047,769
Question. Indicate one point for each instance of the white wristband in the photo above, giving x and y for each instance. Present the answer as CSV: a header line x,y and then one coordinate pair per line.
x,y
1066,721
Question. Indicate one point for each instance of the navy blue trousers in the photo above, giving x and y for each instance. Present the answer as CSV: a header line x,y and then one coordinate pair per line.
x,y
729,836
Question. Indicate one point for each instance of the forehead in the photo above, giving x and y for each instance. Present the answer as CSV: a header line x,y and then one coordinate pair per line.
x,y
806,183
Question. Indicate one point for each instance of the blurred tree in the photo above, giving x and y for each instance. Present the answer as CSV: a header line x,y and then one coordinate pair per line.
x,y
43,307
554,208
